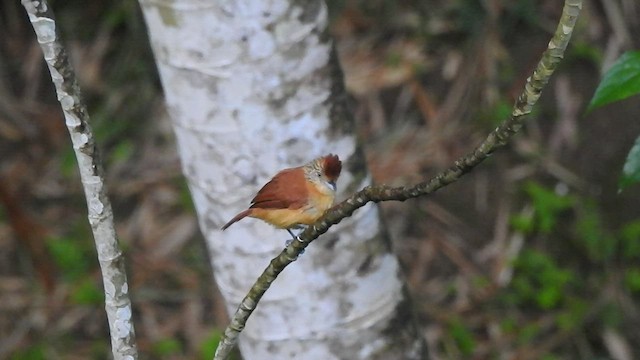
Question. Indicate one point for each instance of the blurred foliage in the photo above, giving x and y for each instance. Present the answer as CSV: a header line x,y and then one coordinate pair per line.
x,y
75,258
185,196
539,281
630,238
166,348
573,314
68,163
550,357
122,152
564,279
72,256
496,114
88,292
548,206
34,352
583,51
469,15
209,345
598,245
631,168
462,336
632,279
574,257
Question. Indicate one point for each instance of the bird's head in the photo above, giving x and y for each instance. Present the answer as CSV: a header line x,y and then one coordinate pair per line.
x,y
324,172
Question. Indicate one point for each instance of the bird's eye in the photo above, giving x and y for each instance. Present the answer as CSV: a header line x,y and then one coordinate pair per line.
x,y
318,174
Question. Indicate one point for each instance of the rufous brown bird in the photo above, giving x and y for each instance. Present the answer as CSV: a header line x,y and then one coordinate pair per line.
x,y
296,196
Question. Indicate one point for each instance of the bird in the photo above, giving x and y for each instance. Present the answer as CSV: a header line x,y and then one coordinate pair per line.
x,y
297,196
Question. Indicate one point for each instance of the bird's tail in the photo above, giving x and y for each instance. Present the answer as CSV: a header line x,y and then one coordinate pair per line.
x,y
237,218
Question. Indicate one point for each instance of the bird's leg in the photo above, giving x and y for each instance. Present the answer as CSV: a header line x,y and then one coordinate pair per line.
x,y
292,235
302,228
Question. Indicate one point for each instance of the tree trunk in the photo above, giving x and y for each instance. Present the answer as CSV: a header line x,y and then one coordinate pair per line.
x,y
253,87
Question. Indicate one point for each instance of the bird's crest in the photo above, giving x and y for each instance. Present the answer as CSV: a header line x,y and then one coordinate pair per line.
x,y
331,166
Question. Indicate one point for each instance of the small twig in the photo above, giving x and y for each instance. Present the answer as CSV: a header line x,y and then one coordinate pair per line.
x,y
496,139
117,302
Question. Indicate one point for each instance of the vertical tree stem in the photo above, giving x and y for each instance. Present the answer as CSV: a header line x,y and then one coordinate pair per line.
x,y
117,302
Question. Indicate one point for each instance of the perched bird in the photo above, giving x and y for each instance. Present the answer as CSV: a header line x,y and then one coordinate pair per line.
x,y
296,196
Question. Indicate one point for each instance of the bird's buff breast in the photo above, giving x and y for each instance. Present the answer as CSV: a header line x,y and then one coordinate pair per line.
x,y
287,218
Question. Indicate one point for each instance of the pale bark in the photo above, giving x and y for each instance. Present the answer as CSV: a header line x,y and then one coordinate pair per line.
x,y
116,288
250,89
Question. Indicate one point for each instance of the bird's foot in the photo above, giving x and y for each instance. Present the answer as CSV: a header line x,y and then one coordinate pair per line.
x,y
290,241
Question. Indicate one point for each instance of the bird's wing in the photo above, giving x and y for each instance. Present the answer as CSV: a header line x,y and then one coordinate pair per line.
x,y
286,190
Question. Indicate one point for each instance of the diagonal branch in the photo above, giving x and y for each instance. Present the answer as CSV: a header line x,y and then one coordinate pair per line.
x,y
117,302
551,57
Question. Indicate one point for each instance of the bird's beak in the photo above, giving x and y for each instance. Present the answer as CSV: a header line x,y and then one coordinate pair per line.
x,y
332,185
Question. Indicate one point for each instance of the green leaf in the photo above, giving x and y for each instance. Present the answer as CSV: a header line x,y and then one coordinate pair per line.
x,y
631,168
620,82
